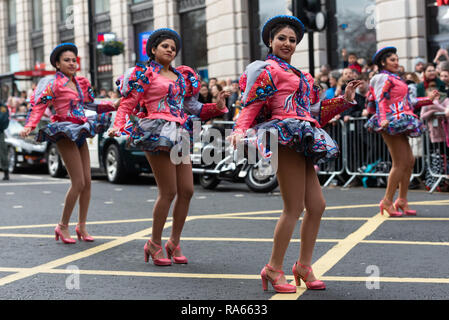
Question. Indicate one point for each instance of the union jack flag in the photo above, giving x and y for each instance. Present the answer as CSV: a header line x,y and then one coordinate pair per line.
x,y
399,111
128,127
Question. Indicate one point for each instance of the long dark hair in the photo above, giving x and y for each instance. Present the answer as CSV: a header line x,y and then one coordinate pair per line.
x,y
277,28
158,41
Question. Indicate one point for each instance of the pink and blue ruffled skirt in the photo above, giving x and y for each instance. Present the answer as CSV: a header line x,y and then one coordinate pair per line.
x,y
155,135
76,132
407,124
301,136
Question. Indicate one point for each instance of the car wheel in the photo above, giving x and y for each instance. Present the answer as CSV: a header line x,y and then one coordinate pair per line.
x,y
54,162
115,169
12,157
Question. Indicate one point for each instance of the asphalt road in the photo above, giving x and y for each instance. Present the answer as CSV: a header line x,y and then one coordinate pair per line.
x,y
360,254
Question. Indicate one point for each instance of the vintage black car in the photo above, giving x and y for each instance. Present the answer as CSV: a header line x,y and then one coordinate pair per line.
x,y
24,152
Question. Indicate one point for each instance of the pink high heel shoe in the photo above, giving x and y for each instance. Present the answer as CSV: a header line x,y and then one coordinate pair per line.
x,y
391,214
170,253
397,206
58,234
81,237
279,288
311,285
157,262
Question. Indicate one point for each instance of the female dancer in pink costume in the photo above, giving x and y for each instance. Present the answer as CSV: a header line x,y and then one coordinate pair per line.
x,y
395,121
163,95
69,95
279,96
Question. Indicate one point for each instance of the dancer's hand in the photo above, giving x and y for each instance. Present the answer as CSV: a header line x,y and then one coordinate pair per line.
x,y
25,132
113,132
221,99
235,138
384,124
350,90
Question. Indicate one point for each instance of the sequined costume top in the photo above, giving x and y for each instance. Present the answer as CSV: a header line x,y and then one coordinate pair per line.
x,y
150,95
273,89
67,104
389,94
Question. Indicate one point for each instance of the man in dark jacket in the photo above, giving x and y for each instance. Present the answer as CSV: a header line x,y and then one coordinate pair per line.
x,y
4,122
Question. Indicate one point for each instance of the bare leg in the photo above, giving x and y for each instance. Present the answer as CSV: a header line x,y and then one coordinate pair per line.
x,y
409,160
73,163
165,174
184,183
400,153
85,195
315,205
291,177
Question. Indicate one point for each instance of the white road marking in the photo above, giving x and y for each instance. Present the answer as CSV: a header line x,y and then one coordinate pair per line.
x,y
31,177
15,184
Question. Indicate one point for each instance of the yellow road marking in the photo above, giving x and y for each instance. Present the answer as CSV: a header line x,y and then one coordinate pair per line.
x,y
73,257
217,239
320,267
222,276
389,279
336,253
74,223
240,215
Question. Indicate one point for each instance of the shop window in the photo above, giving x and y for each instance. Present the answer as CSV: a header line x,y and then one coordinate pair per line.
x,y
259,12
66,10
101,6
437,28
37,15
12,18
194,35
352,26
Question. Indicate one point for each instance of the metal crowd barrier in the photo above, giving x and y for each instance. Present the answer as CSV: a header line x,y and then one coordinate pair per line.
x,y
437,153
364,154
334,169
367,154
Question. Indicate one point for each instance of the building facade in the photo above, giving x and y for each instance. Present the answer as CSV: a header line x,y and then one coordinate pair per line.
x,y
220,37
